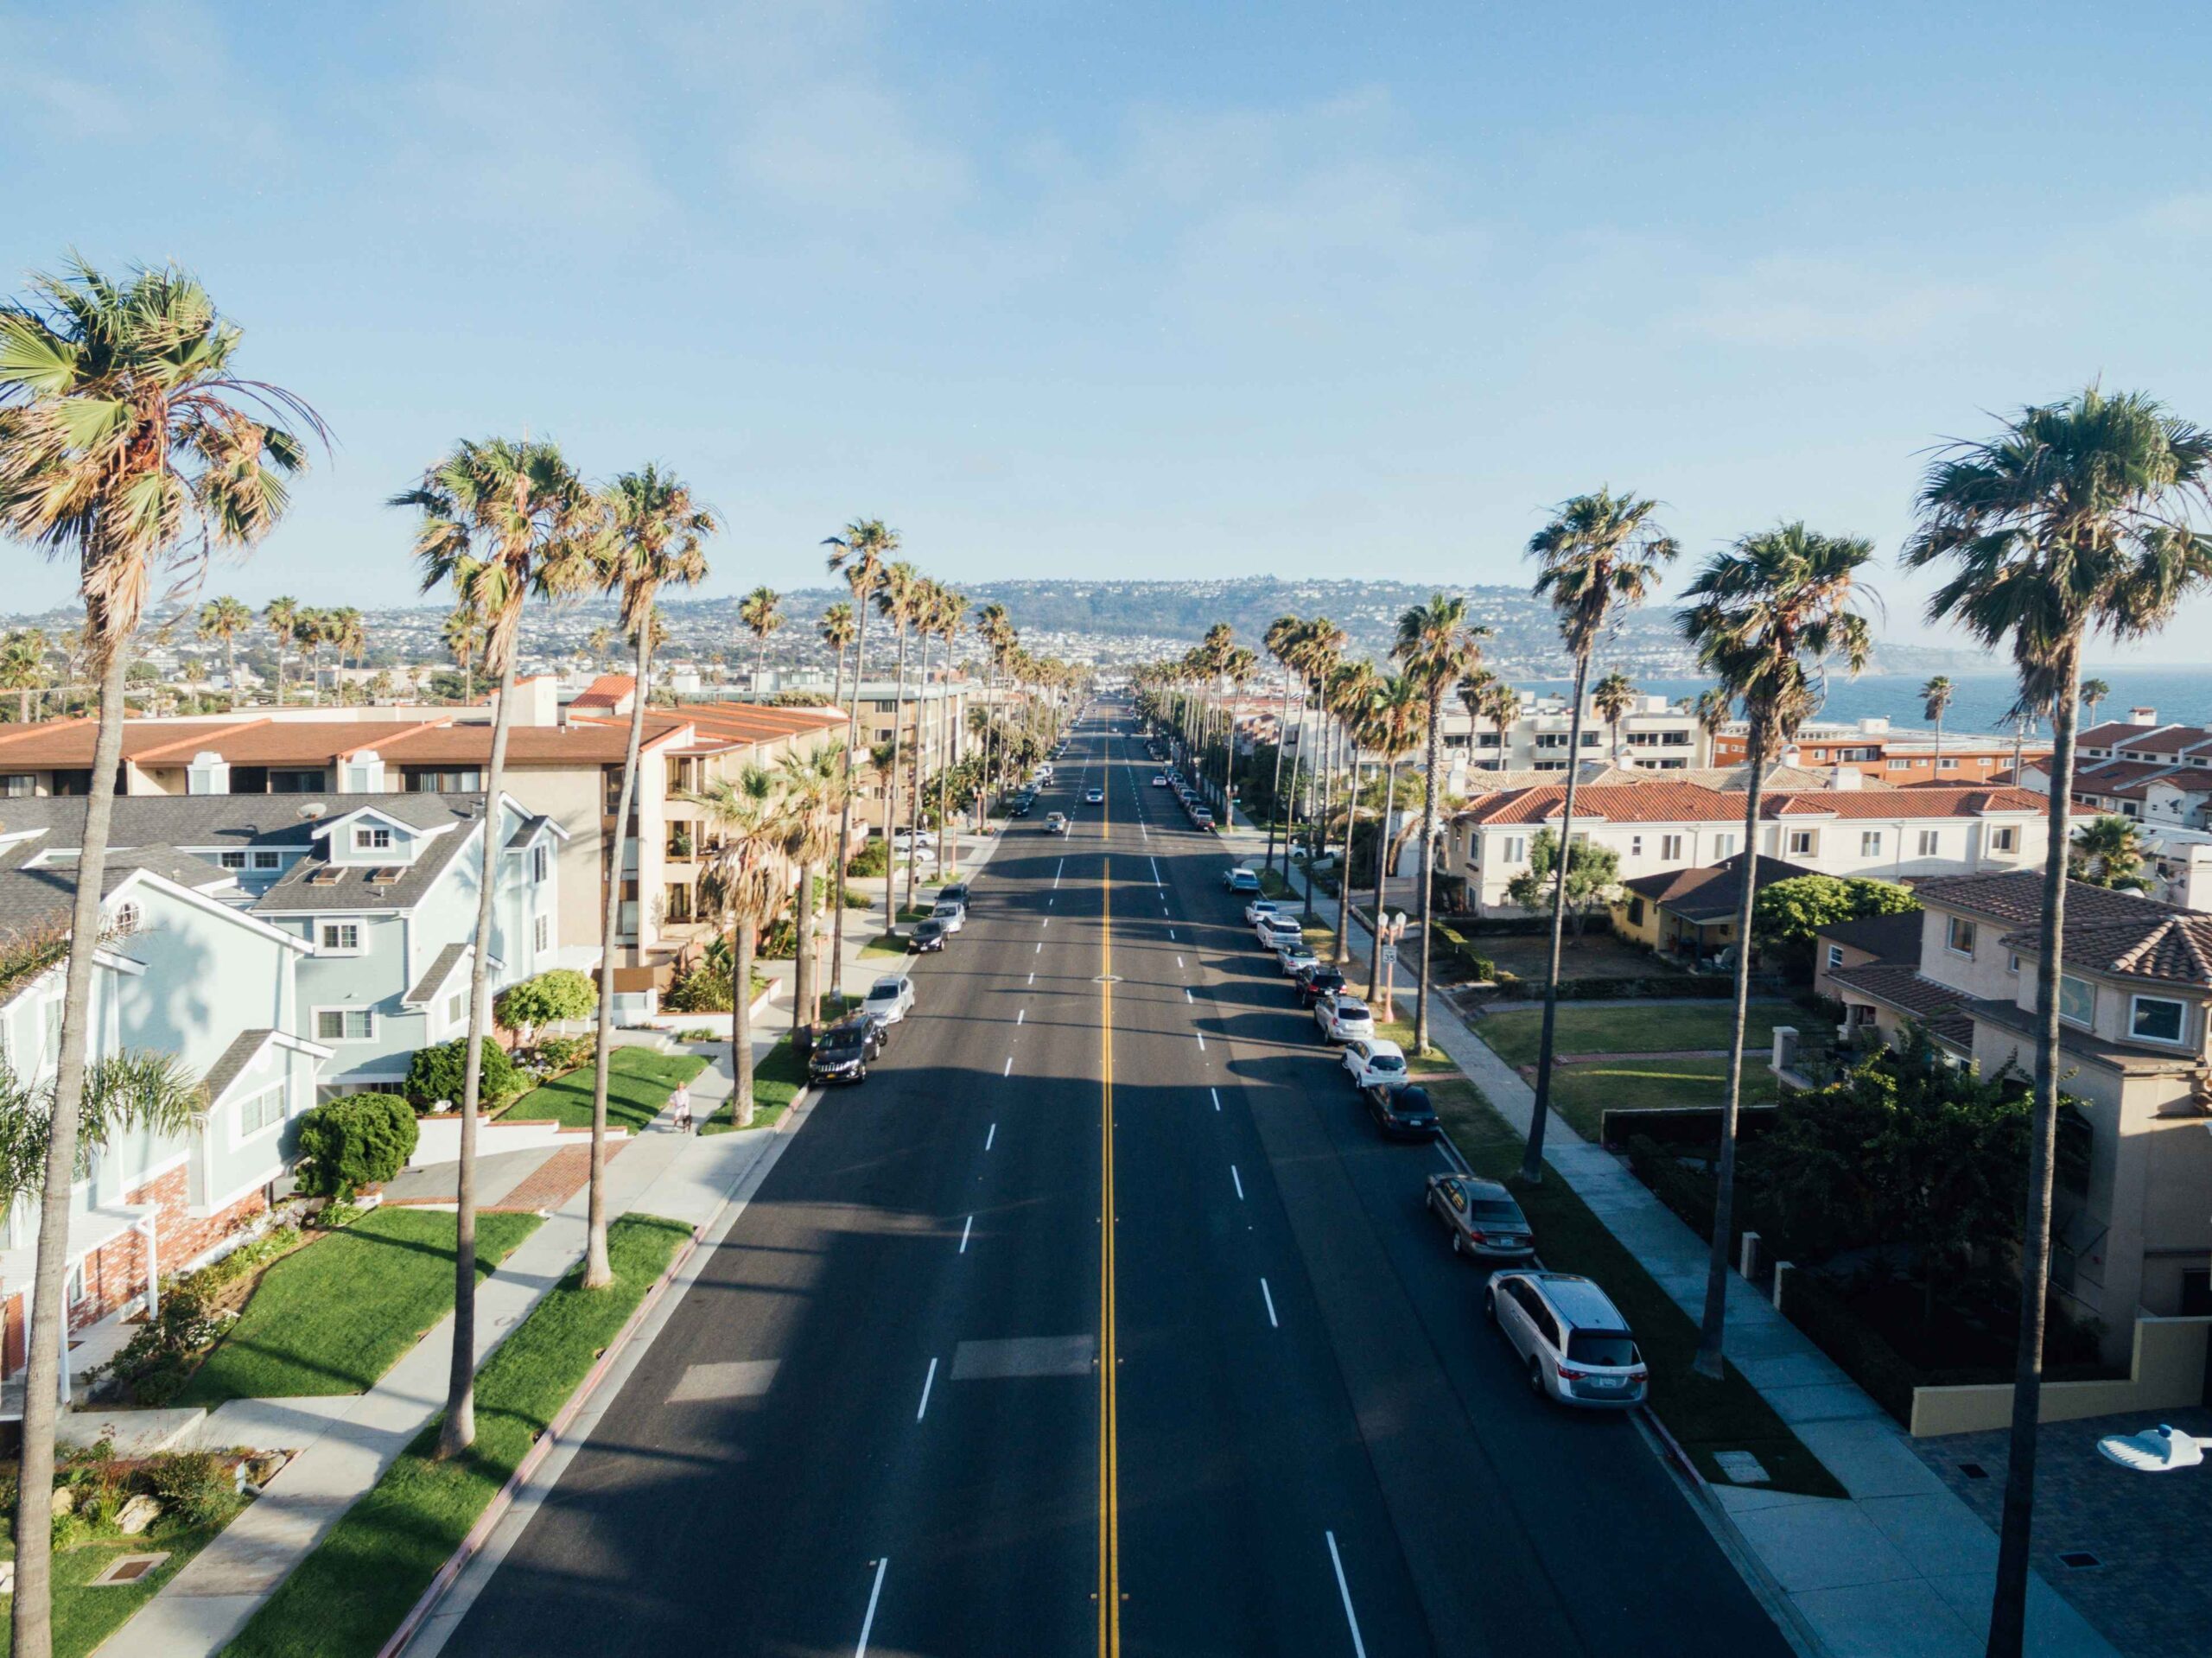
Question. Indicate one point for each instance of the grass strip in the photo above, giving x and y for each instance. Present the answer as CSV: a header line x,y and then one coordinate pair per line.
x,y
348,1596
778,1075
1627,1027
84,1617
338,1314
638,1083
1582,1094
1704,1416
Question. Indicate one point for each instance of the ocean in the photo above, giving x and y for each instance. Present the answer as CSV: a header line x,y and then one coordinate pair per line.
x,y
1980,701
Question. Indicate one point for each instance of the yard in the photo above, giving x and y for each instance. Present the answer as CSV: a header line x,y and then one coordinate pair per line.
x,y
1631,1027
336,1316
84,1615
1583,1093
776,1078
638,1083
1596,955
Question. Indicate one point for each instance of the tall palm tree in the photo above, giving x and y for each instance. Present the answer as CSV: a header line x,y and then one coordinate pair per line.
x,y
462,630
2093,692
224,619
280,617
811,788
350,634
22,667
1282,640
1599,555
838,631
746,879
1315,654
951,614
991,624
859,555
1439,648
1765,615
1496,701
1351,693
655,536
308,632
1934,702
1392,730
928,606
1714,708
759,610
1611,697
2078,517
500,521
2109,853
128,445
897,600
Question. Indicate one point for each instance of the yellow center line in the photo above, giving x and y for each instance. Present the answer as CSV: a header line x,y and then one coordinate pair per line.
x,y
1110,1443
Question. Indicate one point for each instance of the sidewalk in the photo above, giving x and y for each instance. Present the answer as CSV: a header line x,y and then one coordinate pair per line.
x,y
345,1443
1902,1569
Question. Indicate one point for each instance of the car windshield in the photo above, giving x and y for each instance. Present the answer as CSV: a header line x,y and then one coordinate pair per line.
x,y
840,1044
1350,1010
1499,1212
1386,1062
1603,1347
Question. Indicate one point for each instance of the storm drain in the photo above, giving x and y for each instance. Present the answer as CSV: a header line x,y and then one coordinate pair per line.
x,y
2077,1559
1973,1470
127,1569
1741,1467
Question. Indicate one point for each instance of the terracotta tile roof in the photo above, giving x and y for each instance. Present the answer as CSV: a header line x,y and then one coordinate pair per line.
x,y
2164,740
2015,897
585,742
751,722
2118,777
2126,1059
1654,802
2113,733
607,691
2176,947
1957,801
1898,985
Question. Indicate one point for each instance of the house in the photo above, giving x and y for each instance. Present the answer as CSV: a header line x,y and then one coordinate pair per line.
x,y
1904,758
1663,826
1690,914
182,971
2133,1001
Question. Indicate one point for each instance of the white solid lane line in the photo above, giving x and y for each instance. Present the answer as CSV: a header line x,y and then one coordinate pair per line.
x,y
927,1383
1020,1013
868,1623
964,1231
1008,1071
1239,1179
1351,1619
1217,1097
1156,882
1059,870
1267,1296
991,1136
1178,964
1201,1035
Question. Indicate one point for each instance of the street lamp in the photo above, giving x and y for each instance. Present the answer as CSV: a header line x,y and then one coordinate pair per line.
x,y
2159,1450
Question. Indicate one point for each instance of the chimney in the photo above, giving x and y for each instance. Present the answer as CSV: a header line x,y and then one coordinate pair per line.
x,y
1846,779
2142,716
364,773
209,774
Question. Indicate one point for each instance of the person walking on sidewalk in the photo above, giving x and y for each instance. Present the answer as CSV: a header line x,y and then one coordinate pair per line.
x,y
681,1102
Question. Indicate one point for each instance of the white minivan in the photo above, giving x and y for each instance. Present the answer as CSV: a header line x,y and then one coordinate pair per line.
x,y
1571,1337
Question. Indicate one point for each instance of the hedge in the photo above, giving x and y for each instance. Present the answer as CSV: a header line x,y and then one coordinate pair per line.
x,y
436,1073
1689,1194
1692,1127
1886,1375
1700,986
354,1141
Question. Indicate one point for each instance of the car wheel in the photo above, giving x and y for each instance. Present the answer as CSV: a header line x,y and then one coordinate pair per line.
x,y
1459,1248
1490,1305
1535,1378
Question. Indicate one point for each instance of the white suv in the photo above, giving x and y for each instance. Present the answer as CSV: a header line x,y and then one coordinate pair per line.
x,y
1374,1063
1341,1017
1571,1338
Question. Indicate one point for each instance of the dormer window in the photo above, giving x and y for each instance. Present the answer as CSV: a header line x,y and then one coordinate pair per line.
x,y
2157,1019
368,839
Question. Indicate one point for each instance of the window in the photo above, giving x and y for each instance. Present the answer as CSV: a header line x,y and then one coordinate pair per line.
x,y
17,784
76,1288
232,859
296,783
345,1025
1931,841
1802,843
126,917
1636,912
1958,935
456,1007
435,780
1675,740
264,1110
544,933
1946,765
266,860
1836,955
366,839
2156,1018
676,904
1636,845
1900,765
1870,843
2003,840
337,938
2012,963
2077,1000
540,864
1723,846
1515,848
1670,847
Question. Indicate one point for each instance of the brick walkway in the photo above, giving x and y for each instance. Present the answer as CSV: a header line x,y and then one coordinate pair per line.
x,y
559,1177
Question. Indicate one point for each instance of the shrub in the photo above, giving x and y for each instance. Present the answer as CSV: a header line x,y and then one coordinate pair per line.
x,y
705,990
557,1054
244,1262
873,859
194,1485
435,1073
354,1141
558,994
1810,1303
155,1363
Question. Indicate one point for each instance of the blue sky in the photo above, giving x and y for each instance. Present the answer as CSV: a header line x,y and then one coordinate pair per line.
x,y
1141,289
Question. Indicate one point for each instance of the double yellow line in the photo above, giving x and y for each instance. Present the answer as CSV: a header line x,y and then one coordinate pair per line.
x,y
1109,1440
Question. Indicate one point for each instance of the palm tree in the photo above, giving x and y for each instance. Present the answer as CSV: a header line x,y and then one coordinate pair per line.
x,y
350,634
1494,700
1714,708
759,613
22,667
898,598
1611,698
1934,702
746,879
2077,517
2093,692
2109,853
462,630
655,537
308,631
837,631
811,790
280,617
224,619
1351,695
859,555
1313,656
1392,729
990,623
1765,614
128,445
950,611
1601,553
1281,641
1439,648
500,520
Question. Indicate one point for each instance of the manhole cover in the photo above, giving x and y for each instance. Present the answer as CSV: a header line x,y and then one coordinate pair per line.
x,y
127,1569
1108,978
1741,1467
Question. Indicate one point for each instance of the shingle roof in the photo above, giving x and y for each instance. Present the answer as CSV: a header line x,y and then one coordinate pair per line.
x,y
1896,984
2016,897
314,885
1711,891
1886,937
219,822
233,1060
42,897
439,969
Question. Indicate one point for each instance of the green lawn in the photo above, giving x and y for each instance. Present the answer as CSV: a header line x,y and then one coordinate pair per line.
x,y
337,1315
776,1080
883,944
1631,1027
1582,1093
349,1595
638,1083
1703,1416
85,1617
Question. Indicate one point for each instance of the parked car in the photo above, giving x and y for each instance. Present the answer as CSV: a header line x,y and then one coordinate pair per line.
x,y
1159,780
1571,1338
1259,907
1317,983
1480,1216
950,913
928,935
956,893
1293,959
889,999
841,1052
1403,1112
1094,797
1056,823
1274,932
923,838
1203,818
1343,1016
1375,1062
1239,880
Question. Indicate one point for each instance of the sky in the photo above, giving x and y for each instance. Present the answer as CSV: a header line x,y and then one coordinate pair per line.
x,y
1142,289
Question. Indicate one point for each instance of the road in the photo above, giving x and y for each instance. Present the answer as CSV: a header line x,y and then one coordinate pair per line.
x,y
1097,1321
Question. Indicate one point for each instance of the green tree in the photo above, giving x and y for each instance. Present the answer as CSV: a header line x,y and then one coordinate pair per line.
x,y
355,1141
1787,914
2076,519
1599,555
1764,614
281,616
746,879
2109,852
860,555
1593,874
1393,729
1438,648
2093,692
224,619
23,667
1611,698
546,998
1935,701
128,445
759,613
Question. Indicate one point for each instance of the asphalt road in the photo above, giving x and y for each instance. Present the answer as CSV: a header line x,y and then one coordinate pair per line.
x,y
1097,1320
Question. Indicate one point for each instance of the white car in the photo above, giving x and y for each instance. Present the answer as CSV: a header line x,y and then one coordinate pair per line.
x,y
889,1000
1292,958
1160,780
1570,1337
1343,1016
1258,907
1094,797
951,913
903,838
1274,932
1374,1063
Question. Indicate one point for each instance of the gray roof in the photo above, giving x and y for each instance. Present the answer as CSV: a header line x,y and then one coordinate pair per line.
x,y
439,969
225,822
1886,937
232,1060
34,897
314,884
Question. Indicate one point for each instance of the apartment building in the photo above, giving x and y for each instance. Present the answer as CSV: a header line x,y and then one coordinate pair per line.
x,y
935,715
2134,998
1652,736
1902,758
1659,825
2138,768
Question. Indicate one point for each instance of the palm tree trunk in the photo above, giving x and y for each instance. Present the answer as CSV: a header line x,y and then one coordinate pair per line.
x,y
802,951
458,1431
1428,862
1532,1163
231,665
759,668
914,802
2008,1609
1350,744
740,1021
598,1273
33,1612
1381,869
280,673
1712,1330
841,855
891,793
1274,789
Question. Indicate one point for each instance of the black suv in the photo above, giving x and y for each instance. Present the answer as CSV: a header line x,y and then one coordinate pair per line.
x,y
841,1052
1316,982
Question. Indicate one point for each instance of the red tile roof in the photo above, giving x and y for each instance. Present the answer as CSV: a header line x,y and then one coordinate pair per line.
x,y
1662,801
607,691
1958,801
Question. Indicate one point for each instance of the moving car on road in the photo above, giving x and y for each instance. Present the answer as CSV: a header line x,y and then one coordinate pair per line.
x,y
1403,1112
1160,780
1341,1017
1576,1345
1239,880
889,999
841,1052
1375,1062
1055,822
928,935
1480,1216
1094,796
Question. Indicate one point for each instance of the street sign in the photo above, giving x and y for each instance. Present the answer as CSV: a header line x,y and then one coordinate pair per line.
x,y
1389,955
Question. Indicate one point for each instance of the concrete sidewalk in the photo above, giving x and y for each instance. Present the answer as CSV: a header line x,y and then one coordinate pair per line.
x,y
345,1443
1901,1569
